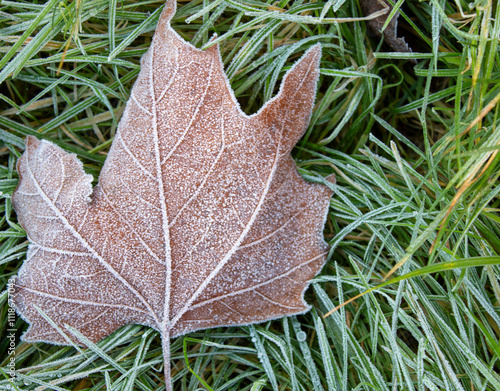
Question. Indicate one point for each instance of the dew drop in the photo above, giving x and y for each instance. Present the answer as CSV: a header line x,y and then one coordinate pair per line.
x,y
301,336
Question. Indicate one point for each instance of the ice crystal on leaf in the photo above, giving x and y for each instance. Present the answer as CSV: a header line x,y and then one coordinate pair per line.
x,y
199,220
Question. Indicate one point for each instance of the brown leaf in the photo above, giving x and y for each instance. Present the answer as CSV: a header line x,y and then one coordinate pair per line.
x,y
199,220
391,38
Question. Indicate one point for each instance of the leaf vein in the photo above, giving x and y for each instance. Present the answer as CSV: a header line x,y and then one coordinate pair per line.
x,y
251,288
80,302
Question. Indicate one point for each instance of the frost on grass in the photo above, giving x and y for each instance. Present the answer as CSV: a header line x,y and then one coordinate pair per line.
x,y
200,218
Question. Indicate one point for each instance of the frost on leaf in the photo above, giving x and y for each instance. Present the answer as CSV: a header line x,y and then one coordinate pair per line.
x,y
199,220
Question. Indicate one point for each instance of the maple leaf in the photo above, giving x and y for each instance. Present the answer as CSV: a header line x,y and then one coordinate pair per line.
x,y
200,218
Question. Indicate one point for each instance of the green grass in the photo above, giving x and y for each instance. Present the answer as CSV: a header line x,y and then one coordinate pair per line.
x,y
414,149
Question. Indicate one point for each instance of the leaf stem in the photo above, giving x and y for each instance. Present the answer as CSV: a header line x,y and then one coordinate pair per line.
x,y
165,345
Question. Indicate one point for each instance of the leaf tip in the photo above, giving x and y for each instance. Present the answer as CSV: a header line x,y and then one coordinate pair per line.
x,y
332,179
167,14
315,52
31,141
